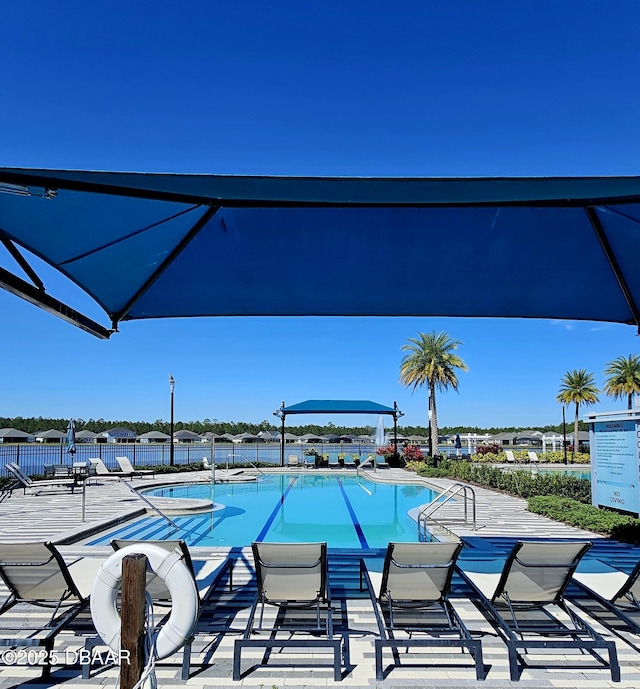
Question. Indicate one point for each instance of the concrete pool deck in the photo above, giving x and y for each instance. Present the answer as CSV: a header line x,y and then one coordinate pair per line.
x,y
56,515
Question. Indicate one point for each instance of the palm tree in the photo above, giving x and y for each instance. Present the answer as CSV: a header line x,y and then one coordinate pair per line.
x,y
431,361
577,387
624,378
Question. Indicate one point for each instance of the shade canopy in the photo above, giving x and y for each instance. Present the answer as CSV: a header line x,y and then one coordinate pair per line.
x,y
168,245
338,407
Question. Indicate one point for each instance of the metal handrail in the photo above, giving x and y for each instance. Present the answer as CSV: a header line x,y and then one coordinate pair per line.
x,y
443,498
149,503
247,460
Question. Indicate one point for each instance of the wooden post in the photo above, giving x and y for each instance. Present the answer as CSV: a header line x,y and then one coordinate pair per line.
x,y
134,572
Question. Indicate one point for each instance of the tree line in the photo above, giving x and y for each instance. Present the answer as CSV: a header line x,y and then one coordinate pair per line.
x,y
33,425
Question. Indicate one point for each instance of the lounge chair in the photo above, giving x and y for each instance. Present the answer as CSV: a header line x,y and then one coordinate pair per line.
x,y
533,457
293,578
100,469
207,574
127,468
333,462
511,458
293,461
38,577
349,462
410,597
523,596
27,482
617,591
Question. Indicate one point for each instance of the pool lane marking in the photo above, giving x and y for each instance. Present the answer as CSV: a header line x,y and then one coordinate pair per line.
x,y
267,525
356,524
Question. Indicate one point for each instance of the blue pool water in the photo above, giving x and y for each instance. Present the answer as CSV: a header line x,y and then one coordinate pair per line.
x,y
344,511
576,473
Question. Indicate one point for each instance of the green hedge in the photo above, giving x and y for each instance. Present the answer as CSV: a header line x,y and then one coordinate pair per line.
x,y
563,498
618,526
521,483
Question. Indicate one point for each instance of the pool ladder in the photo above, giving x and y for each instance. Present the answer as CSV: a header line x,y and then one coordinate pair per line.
x,y
426,511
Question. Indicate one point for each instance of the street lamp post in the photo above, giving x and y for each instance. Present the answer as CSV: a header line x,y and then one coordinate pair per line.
x,y
172,386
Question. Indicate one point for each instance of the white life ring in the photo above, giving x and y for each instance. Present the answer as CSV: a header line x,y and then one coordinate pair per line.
x,y
169,566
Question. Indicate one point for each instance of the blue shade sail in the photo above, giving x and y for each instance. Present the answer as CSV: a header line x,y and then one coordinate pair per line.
x,y
156,245
338,407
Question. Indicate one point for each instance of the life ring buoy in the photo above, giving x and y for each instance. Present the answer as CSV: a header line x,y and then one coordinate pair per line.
x,y
170,567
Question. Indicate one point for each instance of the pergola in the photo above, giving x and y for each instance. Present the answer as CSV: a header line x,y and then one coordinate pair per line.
x,y
336,407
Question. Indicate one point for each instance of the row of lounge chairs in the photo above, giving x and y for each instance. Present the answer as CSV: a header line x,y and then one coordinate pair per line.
x,y
127,470
524,597
295,462
532,458
63,476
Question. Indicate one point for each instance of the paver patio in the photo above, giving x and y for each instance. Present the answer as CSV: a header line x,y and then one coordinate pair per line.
x,y
57,516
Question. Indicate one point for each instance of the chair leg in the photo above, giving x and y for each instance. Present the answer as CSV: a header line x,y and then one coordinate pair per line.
x,y
378,650
46,668
236,660
613,661
475,647
514,671
337,661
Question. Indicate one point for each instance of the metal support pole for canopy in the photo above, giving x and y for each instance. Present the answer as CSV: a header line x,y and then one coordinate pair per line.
x,y
281,414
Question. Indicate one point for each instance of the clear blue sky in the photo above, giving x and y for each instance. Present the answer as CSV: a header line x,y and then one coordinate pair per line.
x,y
532,88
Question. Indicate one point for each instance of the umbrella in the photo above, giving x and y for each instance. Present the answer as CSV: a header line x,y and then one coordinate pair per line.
x,y
71,437
457,443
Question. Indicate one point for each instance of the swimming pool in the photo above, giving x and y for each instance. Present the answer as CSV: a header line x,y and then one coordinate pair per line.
x,y
344,511
568,471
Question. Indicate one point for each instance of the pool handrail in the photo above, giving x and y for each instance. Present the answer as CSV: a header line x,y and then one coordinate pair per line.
x,y
157,510
427,511
247,460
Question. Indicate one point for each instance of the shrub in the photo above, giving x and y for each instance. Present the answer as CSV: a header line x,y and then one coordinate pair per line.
x,y
618,526
520,483
412,453
494,449
387,451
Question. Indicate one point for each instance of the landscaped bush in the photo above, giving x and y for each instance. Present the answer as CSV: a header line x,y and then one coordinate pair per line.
x,y
520,483
176,468
494,449
618,526
412,453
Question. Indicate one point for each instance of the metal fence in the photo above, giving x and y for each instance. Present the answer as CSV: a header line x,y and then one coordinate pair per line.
x,y
33,456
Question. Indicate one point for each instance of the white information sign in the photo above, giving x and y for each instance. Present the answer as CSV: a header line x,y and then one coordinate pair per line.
x,y
614,464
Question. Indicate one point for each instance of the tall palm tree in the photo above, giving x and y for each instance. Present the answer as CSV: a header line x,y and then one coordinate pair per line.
x,y
577,387
624,378
431,361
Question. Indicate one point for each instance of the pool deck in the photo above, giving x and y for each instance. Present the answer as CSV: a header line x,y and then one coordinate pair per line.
x,y
56,515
